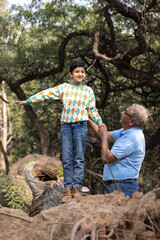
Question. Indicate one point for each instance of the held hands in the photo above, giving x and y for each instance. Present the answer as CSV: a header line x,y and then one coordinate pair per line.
x,y
102,130
101,124
19,103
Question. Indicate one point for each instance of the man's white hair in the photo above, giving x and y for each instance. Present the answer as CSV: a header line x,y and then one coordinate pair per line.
x,y
140,114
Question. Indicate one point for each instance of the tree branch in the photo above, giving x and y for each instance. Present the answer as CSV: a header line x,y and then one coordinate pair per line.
x,y
125,10
40,75
152,4
126,69
95,49
3,100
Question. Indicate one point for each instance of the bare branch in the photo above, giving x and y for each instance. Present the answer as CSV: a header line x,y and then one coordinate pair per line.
x,y
15,216
3,100
95,49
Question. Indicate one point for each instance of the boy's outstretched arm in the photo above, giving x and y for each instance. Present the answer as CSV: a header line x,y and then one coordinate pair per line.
x,y
19,103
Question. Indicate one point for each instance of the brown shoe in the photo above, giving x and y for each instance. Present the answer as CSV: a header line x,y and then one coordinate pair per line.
x,y
77,192
67,195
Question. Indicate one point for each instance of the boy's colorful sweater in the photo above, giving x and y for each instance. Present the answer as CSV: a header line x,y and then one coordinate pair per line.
x,y
78,102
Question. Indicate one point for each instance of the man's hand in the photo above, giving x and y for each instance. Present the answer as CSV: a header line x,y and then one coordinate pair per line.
x,y
102,131
107,155
19,103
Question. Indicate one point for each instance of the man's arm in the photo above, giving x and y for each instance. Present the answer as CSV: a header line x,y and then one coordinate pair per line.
x,y
107,155
95,129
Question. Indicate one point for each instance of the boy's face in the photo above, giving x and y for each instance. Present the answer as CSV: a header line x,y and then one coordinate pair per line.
x,y
78,75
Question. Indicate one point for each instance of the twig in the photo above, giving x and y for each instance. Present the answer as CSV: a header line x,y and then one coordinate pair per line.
x,y
54,224
96,175
3,100
75,228
15,216
153,224
86,236
92,148
140,205
107,235
92,64
93,230
51,223
128,220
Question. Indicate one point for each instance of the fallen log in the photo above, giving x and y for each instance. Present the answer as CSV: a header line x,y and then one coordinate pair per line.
x,y
45,194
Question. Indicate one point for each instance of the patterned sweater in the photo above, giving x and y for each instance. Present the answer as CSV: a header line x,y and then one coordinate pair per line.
x,y
78,102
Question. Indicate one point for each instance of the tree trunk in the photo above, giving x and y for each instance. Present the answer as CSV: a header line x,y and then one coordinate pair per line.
x,y
4,123
5,157
43,133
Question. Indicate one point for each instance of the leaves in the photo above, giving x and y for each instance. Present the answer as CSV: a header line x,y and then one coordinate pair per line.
x,y
12,196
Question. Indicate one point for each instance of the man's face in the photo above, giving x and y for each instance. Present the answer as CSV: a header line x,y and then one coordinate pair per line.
x,y
126,117
78,75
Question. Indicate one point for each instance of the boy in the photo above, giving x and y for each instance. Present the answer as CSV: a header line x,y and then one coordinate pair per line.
x,y
79,102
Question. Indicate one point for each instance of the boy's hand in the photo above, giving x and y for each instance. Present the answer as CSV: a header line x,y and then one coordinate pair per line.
x,y
101,124
21,103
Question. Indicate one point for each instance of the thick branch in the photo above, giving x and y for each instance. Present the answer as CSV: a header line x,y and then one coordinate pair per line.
x,y
125,10
95,49
152,5
40,75
126,69
110,23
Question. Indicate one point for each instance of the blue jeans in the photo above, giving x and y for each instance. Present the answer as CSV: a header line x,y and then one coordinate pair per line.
x,y
73,137
127,188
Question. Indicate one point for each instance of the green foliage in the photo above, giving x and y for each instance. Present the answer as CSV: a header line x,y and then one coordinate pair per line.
x,y
12,196
60,172
30,41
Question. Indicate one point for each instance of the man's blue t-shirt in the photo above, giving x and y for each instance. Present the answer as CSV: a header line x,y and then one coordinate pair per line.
x,y
129,149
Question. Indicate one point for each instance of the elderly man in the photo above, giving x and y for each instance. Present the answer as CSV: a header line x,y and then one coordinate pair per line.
x,y
123,162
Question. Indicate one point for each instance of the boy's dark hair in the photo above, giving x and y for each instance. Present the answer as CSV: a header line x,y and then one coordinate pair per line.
x,y
77,63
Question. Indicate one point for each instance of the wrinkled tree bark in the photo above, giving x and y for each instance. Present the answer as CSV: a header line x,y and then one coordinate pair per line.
x,y
45,195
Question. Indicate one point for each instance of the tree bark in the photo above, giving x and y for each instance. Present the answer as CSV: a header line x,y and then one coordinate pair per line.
x,y
4,123
5,157
45,195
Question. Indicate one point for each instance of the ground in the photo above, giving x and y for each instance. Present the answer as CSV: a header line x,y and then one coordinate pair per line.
x,y
105,216
91,217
